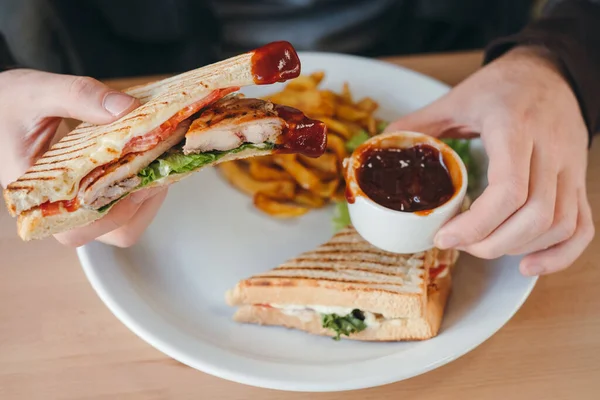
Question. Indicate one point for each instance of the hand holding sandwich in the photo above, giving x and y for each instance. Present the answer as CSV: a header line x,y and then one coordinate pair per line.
x,y
32,105
97,175
536,139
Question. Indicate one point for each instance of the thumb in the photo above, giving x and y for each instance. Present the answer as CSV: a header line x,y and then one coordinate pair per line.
x,y
78,97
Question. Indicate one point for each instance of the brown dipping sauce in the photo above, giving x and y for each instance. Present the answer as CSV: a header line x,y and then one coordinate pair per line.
x,y
411,179
302,134
275,62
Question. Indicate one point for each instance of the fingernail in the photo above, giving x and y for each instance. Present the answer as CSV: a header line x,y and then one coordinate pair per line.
x,y
144,194
446,241
534,270
117,103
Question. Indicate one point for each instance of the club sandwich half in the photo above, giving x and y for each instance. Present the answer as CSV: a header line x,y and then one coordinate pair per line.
x,y
184,123
346,287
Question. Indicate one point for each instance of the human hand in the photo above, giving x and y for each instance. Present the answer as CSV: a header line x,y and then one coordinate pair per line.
x,y
537,142
32,105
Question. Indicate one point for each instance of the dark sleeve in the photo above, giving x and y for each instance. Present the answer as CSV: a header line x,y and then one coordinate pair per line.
x,y
570,30
6,59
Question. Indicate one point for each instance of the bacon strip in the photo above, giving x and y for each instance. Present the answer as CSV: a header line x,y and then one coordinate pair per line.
x,y
146,142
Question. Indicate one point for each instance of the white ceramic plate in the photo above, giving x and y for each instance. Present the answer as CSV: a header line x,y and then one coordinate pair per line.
x,y
169,289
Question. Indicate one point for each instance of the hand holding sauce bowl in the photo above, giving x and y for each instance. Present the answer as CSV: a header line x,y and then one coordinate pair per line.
x,y
401,188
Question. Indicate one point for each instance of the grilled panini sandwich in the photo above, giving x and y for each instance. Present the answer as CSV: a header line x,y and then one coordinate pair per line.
x,y
349,287
184,123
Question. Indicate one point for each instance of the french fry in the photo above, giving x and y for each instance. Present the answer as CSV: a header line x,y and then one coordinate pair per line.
x,y
367,104
304,176
311,102
353,127
303,82
371,125
277,209
325,176
337,127
327,189
242,180
327,163
309,199
286,186
340,194
337,145
346,94
264,160
317,77
350,113
265,172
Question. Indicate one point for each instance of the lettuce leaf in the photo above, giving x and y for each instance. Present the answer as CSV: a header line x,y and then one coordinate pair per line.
x,y
341,216
381,125
344,325
356,140
462,147
175,162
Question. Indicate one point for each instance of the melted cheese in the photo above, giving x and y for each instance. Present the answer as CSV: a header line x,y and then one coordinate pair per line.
x,y
305,312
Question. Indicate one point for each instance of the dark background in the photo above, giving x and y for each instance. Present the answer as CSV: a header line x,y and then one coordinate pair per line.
x,y
118,38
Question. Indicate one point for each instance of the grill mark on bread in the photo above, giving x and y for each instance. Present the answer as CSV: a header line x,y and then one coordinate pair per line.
x,y
14,186
313,280
34,169
322,275
140,115
37,178
336,260
348,251
50,154
49,162
68,139
259,281
81,139
397,274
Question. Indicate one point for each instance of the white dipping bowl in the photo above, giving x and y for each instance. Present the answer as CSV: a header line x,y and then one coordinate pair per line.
x,y
400,231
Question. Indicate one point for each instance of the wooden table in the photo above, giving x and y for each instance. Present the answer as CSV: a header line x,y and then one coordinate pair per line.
x,y
58,341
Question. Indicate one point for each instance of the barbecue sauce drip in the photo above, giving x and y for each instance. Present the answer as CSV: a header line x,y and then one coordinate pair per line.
x,y
301,134
411,180
275,62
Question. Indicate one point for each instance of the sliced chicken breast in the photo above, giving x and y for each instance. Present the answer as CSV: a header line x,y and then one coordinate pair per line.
x,y
232,121
121,177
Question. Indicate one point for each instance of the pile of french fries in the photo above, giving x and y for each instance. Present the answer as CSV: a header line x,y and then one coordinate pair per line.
x,y
287,185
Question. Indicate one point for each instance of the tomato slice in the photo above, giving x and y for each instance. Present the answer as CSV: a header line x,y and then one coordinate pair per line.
x,y
49,209
434,272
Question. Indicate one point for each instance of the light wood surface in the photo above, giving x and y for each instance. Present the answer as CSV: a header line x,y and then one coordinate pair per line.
x,y
58,341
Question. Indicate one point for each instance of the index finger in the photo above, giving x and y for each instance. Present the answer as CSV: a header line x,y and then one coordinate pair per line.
x,y
508,176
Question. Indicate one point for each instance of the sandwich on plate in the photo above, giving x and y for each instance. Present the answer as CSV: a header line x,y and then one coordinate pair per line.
x,y
347,287
184,123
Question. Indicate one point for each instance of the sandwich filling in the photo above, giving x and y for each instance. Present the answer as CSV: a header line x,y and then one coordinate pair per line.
x,y
192,139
